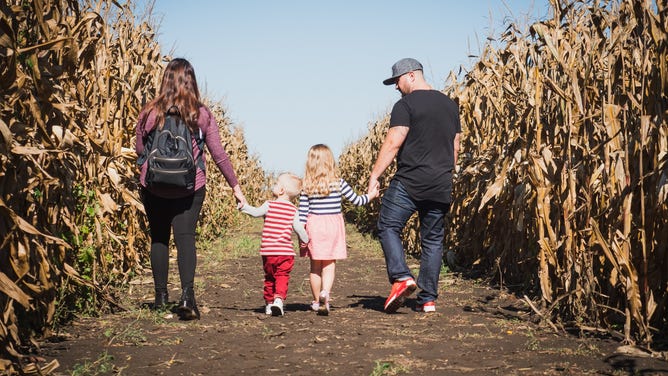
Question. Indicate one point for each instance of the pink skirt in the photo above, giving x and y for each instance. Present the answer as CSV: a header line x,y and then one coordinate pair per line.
x,y
327,237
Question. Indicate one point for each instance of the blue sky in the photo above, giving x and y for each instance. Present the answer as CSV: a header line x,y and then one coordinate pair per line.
x,y
297,73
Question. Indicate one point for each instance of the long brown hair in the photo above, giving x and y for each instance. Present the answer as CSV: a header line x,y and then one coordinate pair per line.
x,y
320,175
178,89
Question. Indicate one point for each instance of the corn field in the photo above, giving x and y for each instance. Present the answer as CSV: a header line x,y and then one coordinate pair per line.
x,y
562,194
73,78
563,189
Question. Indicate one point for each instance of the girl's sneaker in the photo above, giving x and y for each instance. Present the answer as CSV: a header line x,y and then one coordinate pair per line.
x,y
267,309
315,306
323,301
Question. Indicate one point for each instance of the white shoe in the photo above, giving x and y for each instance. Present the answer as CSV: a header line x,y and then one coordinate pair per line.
x,y
323,302
277,307
267,309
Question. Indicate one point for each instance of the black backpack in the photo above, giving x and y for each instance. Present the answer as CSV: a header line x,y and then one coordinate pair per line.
x,y
169,154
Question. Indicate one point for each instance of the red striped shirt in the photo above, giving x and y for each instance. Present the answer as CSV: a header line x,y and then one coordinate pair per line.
x,y
277,230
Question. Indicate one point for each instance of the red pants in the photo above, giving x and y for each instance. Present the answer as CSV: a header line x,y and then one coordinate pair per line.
x,y
276,276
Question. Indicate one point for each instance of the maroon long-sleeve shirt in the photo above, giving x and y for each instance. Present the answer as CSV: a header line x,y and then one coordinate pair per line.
x,y
209,131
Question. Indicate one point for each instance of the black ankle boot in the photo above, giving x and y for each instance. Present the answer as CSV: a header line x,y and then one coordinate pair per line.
x,y
161,298
187,309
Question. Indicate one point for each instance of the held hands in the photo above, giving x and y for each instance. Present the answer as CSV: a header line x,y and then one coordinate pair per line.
x,y
239,196
373,189
303,249
373,193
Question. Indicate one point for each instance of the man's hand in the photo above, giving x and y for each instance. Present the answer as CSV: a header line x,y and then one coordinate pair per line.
x,y
373,186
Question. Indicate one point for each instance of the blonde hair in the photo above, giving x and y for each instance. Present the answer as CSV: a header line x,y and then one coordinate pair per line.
x,y
320,173
291,183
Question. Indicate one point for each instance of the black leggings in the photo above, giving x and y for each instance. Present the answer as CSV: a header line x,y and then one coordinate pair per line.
x,y
181,214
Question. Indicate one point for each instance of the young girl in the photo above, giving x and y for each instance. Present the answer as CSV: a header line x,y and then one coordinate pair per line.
x,y
320,210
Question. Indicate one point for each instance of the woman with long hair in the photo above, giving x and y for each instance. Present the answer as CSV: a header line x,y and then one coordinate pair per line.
x,y
178,208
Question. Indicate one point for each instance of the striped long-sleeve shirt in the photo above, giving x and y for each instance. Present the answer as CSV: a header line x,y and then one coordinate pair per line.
x,y
330,204
280,218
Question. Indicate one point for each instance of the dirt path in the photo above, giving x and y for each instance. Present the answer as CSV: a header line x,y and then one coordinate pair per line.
x,y
474,332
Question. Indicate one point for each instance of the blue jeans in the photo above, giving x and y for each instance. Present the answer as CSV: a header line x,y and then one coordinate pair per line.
x,y
397,207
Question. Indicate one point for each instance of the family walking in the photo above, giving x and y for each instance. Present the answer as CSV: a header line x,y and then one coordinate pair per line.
x,y
423,138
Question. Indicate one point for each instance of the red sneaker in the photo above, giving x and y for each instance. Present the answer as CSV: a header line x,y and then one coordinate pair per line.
x,y
426,307
400,290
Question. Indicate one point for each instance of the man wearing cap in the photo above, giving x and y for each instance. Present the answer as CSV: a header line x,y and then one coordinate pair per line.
x,y
424,137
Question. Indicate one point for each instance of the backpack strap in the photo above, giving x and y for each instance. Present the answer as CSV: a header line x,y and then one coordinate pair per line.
x,y
199,140
147,146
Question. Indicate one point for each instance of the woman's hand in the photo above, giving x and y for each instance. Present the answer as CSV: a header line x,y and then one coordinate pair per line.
x,y
239,196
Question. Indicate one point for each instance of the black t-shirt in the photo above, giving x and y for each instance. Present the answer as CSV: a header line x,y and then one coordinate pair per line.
x,y
426,159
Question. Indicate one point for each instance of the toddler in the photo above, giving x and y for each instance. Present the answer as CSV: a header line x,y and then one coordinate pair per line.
x,y
277,250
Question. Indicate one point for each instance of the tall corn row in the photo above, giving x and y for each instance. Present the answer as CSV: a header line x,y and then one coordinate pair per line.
x,y
71,86
564,186
567,176
73,77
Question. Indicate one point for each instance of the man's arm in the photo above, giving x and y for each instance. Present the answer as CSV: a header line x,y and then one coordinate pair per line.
x,y
393,140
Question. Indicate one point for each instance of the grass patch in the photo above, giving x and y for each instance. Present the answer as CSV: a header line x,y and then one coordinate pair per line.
x,y
128,335
101,366
239,242
383,368
365,244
